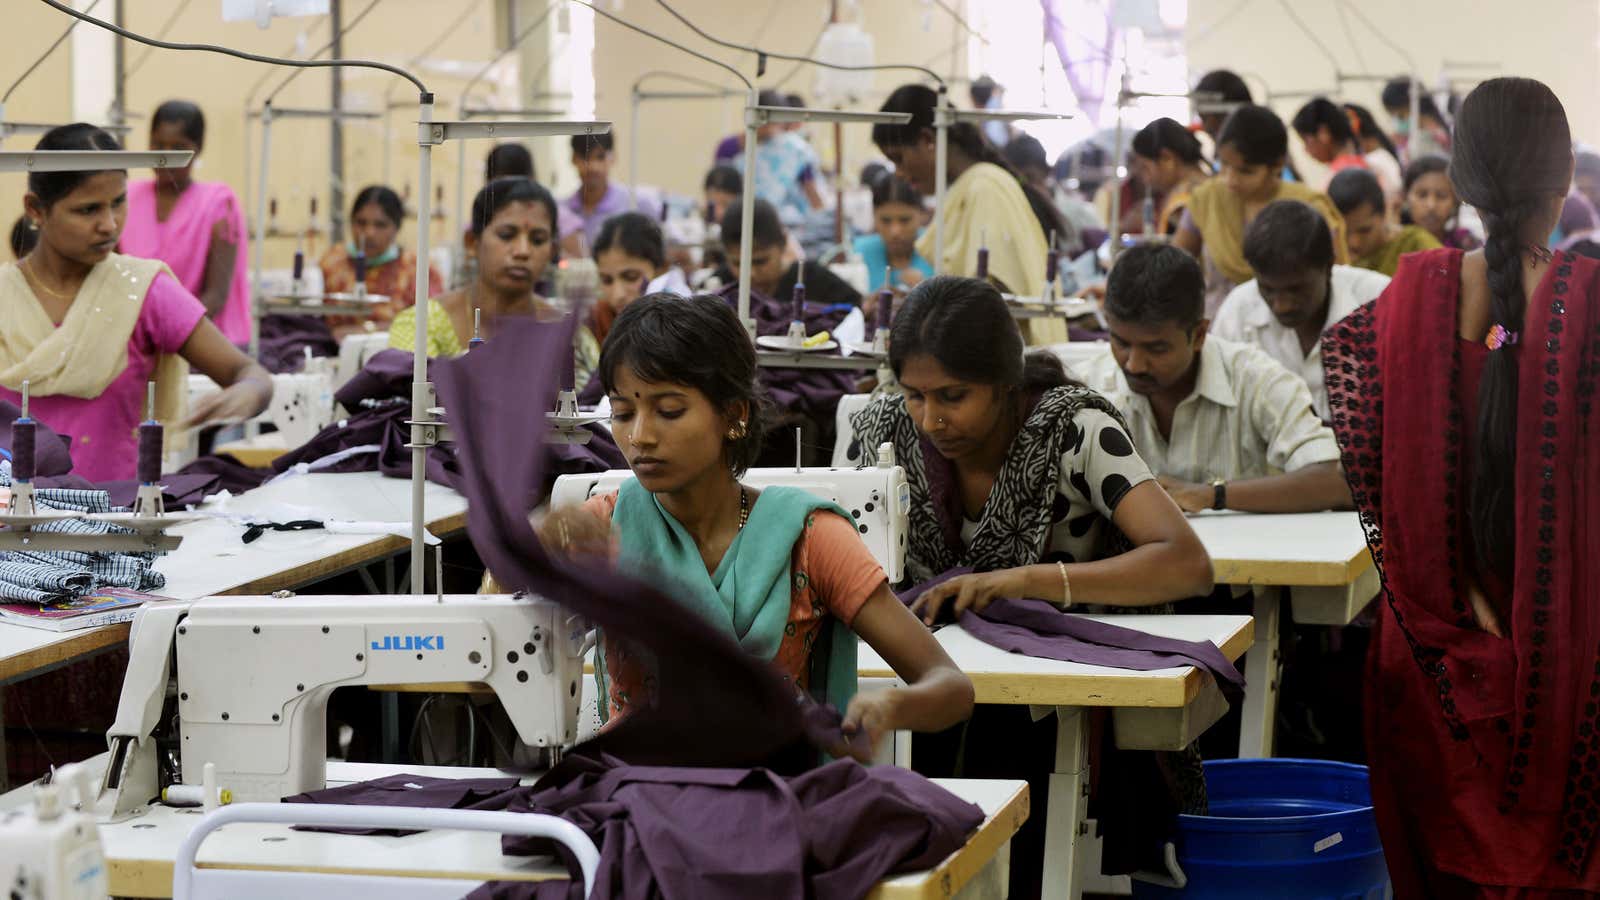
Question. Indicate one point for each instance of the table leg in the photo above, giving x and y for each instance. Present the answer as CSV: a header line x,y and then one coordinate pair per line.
x,y
1065,816
1261,673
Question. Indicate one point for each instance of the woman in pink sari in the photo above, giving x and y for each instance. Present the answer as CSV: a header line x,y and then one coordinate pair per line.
x,y
195,227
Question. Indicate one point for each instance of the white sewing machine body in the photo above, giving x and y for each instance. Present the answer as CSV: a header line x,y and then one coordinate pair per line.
x,y
254,674
878,498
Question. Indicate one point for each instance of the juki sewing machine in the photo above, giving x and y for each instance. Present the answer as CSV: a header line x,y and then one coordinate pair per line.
x,y
250,678
878,498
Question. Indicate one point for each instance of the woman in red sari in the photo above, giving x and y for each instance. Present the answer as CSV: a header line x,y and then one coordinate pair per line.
x,y
1461,398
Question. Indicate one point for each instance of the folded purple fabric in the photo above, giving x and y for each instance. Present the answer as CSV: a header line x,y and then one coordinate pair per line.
x,y
412,792
1036,628
722,834
284,340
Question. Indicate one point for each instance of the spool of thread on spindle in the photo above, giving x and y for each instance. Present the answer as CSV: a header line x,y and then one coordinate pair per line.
x,y
885,310
800,301
477,334
151,437
23,432
983,257
1051,264
299,265
359,261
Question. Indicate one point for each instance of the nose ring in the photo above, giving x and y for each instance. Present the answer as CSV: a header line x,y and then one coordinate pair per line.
x,y
941,421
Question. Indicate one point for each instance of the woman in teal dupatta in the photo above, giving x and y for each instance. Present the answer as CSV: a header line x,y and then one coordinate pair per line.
x,y
783,571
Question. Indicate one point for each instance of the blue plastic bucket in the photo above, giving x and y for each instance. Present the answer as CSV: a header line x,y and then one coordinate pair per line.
x,y
1299,828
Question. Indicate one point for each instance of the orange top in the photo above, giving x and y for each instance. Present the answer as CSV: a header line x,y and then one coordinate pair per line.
x,y
833,574
396,280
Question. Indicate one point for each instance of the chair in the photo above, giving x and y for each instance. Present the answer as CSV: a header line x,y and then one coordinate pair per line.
x,y
192,883
844,435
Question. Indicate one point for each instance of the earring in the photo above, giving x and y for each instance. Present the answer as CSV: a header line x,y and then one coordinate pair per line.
x,y
736,432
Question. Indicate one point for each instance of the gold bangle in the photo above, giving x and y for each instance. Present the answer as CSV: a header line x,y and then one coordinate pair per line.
x,y
1066,586
566,537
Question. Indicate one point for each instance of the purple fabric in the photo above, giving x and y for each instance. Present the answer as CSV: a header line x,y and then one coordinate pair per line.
x,y
411,792
719,706
185,487
813,393
284,340
52,453
379,391
1036,628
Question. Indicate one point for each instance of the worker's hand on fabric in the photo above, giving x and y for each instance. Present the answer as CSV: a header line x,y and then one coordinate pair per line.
x,y
238,402
575,531
1190,497
975,592
871,716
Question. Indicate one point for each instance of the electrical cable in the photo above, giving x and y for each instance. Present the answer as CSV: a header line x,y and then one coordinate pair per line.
x,y
1349,35
1403,53
790,57
670,43
44,56
1332,59
340,31
1200,34
238,54
166,28
520,36
962,22
467,12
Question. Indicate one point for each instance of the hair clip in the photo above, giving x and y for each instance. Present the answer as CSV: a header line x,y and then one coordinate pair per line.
x,y
1540,252
1499,337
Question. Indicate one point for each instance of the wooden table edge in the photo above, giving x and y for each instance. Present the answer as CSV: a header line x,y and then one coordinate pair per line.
x,y
1291,573
83,643
950,876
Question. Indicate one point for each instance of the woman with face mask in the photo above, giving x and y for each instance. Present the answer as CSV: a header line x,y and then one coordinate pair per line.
x,y
88,328
1252,149
375,220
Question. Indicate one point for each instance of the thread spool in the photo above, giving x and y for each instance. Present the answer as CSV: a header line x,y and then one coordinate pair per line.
x,y
151,437
1051,262
800,301
299,265
983,258
23,434
477,330
885,310
359,261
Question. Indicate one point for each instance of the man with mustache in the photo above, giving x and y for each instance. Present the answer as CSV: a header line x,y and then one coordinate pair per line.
x,y
1298,292
1224,425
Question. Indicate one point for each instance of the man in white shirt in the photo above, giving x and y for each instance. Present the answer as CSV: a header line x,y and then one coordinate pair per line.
x,y
1297,294
1222,424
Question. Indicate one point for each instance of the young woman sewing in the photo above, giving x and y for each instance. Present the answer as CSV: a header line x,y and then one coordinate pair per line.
x,y
1252,149
512,240
782,570
88,328
1031,480
631,254
1168,158
375,220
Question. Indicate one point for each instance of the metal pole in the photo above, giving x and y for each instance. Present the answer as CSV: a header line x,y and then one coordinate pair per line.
x,y
633,149
119,60
747,211
336,128
421,390
460,239
941,175
1117,162
261,230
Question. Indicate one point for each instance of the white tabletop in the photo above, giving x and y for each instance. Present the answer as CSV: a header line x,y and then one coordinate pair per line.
x,y
213,560
1300,550
140,851
1011,678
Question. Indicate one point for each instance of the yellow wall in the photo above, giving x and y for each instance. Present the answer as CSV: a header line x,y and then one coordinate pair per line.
x,y
45,97
1551,40
678,137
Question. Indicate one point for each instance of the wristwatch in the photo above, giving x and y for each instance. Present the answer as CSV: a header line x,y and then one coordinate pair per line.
x,y
1219,494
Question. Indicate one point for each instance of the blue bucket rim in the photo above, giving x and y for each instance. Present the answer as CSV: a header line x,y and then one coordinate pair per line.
x,y
1236,822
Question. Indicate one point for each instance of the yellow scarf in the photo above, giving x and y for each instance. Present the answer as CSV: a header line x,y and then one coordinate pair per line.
x,y
1219,214
89,350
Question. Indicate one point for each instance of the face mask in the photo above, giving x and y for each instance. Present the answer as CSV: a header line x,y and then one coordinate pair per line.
x,y
1402,127
387,256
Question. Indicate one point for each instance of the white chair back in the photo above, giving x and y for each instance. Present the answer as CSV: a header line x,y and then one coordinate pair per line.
x,y
190,882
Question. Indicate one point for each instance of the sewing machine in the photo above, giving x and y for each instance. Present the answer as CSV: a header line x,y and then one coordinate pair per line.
x,y
253,677
878,498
